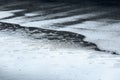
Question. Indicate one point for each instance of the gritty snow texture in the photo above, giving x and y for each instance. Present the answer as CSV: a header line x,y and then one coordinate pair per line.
x,y
22,58
25,58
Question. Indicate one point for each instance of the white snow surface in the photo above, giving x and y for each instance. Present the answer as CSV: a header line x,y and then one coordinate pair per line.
x,y
22,58
5,14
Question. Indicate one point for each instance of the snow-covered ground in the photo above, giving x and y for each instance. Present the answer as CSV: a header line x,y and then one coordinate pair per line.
x,y
99,24
22,58
25,58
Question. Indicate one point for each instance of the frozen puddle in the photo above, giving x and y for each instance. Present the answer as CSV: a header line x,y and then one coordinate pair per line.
x,y
22,58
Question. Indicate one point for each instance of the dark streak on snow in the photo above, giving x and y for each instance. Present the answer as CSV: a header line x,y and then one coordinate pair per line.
x,y
53,35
